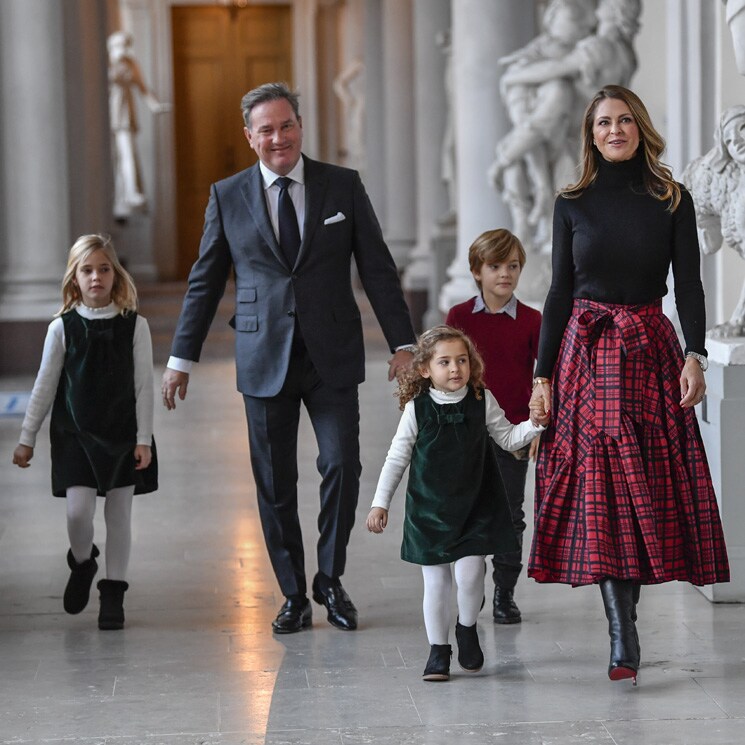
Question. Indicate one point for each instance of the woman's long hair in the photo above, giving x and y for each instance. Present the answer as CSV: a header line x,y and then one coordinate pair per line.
x,y
123,292
658,178
412,382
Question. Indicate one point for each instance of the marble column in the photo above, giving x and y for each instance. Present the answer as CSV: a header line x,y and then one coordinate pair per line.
x,y
54,159
482,32
398,115
374,122
431,21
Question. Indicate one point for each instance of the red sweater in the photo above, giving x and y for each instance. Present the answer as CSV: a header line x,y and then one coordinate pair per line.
x,y
509,347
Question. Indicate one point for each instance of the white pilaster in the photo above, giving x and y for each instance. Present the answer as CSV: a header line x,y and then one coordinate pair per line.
x,y
375,139
431,19
398,114
483,31
34,156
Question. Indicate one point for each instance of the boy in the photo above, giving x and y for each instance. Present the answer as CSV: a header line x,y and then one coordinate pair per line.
x,y
505,332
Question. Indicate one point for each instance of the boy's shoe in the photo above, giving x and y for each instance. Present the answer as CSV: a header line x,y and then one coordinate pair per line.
x,y
438,664
505,609
470,656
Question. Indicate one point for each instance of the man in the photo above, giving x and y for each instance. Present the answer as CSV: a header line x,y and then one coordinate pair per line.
x,y
298,334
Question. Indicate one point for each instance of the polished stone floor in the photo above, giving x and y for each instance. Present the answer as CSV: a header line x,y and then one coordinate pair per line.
x,y
197,664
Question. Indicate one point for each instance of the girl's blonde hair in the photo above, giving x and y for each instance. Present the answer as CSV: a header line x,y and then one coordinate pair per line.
x,y
658,178
413,383
123,292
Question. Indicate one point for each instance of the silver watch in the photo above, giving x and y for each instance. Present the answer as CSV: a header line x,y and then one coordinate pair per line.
x,y
700,358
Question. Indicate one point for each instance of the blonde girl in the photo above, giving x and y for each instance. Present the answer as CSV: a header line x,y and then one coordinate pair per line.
x,y
96,375
456,508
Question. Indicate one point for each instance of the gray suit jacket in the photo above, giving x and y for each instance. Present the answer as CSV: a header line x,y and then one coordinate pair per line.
x,y
238,233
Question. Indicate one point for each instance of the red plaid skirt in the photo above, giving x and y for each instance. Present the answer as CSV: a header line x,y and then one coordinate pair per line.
x,y
623,487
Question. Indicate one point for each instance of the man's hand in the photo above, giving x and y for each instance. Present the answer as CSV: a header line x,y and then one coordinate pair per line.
x,y
173,381
399,363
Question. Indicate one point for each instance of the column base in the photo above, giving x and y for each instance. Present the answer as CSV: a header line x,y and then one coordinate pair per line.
x,y
721,418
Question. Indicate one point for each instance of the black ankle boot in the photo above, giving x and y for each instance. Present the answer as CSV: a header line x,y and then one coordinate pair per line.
x,y
470,656
78,589
504,608
438,664
111,615
618,599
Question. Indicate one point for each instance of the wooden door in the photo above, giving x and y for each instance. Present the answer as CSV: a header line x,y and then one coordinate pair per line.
x,y
219,54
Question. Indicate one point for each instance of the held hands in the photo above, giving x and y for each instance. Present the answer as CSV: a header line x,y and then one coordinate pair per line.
x,y
399,363
173,382
143,456
22,455
377,519
540,404
692,383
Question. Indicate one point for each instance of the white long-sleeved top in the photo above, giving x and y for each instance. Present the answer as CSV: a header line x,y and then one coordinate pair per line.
x,y
50,369
507,435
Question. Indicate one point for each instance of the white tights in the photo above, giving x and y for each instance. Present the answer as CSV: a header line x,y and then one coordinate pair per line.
x,y
438,588
81,507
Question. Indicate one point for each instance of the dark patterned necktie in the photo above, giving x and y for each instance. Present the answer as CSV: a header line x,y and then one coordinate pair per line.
x,y
289,232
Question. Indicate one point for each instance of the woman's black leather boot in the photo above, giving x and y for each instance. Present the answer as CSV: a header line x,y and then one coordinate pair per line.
x,y
620,610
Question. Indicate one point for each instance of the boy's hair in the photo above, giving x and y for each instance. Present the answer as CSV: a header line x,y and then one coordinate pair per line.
x,y
494,246
412,383
123,292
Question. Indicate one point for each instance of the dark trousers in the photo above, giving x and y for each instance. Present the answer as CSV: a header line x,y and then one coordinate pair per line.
x,y
272,434
507,567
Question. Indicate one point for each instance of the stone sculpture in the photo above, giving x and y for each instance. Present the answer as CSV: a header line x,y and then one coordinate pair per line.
x,y
125,78
716,181
546,86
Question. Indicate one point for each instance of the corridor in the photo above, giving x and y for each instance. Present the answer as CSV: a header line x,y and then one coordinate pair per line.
x,y
197,664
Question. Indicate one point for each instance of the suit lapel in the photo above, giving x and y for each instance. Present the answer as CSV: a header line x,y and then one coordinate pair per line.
x,y
253,192
315,191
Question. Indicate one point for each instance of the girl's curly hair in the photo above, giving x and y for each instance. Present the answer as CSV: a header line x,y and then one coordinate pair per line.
x,y
412,382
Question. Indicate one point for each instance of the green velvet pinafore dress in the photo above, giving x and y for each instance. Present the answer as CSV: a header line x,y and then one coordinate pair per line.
x,y
93,429
456,503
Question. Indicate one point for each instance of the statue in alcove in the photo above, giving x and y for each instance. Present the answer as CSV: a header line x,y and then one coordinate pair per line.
x,y
125,78
349,87
716,181
586,44
735,14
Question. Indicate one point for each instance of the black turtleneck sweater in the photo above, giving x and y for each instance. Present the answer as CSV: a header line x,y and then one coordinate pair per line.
x,y
615,244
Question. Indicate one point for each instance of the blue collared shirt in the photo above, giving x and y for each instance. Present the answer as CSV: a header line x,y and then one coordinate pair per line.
x,y
510,307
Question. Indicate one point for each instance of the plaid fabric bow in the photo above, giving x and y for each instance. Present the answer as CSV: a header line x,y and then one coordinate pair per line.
x,y
615,332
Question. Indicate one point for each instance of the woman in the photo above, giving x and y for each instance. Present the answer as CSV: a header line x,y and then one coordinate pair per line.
x,y
623,490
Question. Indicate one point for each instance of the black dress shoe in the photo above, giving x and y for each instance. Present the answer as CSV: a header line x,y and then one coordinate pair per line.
x,y
505,609
294,615
341,610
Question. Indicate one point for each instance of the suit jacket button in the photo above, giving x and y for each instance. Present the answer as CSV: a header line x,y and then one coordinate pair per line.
x,y
293,277
291,313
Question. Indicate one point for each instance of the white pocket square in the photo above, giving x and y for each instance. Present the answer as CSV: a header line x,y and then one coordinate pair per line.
x,y
338,217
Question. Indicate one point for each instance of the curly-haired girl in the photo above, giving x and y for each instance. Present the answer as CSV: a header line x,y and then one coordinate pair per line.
x,y
456,508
